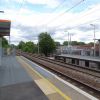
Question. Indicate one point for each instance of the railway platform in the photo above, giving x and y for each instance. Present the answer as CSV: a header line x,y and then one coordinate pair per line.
x,y
84,61
88,58
22,79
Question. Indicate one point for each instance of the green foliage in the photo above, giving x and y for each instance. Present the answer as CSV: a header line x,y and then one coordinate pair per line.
x,y
74,43
21,45
65,43
4,43
35,50
91,43
46,43
27,47
81,43
57,44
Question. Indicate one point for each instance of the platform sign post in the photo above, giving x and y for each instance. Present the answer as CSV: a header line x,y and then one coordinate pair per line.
x,y
4,31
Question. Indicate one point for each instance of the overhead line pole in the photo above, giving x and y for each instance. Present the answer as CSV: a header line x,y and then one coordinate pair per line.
x,y
94,37
68,43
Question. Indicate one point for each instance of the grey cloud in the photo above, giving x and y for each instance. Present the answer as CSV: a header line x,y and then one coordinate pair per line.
x,y
58,38
26,32
85,39
31,33
86,28
30,37
25,29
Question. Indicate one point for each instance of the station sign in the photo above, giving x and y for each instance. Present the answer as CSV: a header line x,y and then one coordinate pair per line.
x,y
5,27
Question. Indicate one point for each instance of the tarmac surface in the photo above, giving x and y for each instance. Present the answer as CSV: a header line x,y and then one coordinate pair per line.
x,y
16,84
22,91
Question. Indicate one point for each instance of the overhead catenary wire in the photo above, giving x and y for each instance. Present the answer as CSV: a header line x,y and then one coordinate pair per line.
x,y
59,5
55,18
86,23
80,17
57,28
21,4
76,26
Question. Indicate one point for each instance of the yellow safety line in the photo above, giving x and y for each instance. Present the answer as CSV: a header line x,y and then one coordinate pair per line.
x,y
58,90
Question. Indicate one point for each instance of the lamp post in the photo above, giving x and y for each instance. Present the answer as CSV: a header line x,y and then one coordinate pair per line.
x,y
68,37
94,36
68,41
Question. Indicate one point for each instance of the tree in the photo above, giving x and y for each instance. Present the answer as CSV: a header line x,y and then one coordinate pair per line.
x,y
4,43
21,45
57,44
77,43
65,43
46,43
91,43
29,47
35,50
73,43
81,43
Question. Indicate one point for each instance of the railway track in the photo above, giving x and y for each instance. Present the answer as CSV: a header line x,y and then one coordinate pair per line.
x,y
86,70
64,63
88,79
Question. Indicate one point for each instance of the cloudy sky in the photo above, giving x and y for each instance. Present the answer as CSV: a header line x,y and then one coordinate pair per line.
x,y
58,17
